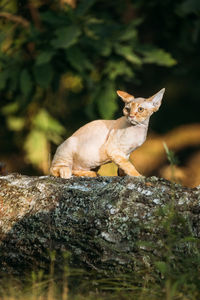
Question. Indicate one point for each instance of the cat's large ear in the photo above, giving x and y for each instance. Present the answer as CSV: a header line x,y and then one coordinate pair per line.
x,y
156,99
125,96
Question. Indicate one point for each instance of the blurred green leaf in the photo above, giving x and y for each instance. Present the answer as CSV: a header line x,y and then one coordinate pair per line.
x,y
43,75
44,122
106,101
128,54
78,59
129,34
15,123
130,31
10,108
117,68
36,147
84,6
188,7
44,57
66,37
53,19
14,76
159,57
44,129
104,47
3,79
26,83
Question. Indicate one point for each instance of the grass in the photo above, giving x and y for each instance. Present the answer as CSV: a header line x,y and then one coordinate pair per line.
x,y
124,287
173,160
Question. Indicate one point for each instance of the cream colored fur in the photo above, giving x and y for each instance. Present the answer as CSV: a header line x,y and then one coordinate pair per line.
x,y
103,141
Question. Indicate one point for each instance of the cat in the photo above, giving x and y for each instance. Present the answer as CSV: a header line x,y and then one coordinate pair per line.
x,y
102,141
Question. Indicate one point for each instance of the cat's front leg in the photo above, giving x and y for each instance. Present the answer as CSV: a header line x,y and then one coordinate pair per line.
x,y
120,159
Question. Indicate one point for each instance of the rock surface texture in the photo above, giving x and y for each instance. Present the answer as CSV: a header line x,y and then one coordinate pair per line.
x,y
106,223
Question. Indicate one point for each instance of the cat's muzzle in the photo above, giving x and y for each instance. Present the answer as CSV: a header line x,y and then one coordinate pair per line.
x,y
133,122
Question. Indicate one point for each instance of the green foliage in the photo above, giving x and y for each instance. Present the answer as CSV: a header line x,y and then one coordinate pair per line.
x,y
106,101
43,75
51,127
65,37
15,123
188,7
26,83
128,53
71,61
37,140
158,56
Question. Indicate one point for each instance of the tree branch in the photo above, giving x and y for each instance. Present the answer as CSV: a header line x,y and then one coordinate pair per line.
x,y
107,223
16,19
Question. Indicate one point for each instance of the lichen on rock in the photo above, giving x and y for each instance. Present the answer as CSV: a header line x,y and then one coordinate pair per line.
x,y
104,222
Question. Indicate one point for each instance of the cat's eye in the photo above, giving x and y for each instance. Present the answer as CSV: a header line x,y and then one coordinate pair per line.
x,y
127,108
140,109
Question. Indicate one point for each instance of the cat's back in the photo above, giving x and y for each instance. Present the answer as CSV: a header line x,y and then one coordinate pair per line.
x,y
95,128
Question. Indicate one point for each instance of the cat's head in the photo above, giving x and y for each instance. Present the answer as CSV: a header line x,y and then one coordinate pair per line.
x,y
137,110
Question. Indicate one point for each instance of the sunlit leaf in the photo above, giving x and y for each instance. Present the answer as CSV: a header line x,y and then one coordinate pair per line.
x,y
45,129
37,148
44,122
128,53
15,123
159,57
72,82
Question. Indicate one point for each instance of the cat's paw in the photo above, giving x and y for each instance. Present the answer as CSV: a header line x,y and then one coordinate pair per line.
x,y
63,172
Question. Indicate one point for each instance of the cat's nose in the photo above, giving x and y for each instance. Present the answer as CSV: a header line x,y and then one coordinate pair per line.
x,y
131,116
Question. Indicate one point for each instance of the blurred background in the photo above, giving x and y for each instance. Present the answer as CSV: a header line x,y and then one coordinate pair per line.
x,y
62,61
